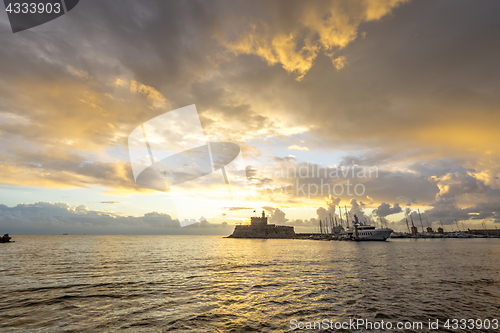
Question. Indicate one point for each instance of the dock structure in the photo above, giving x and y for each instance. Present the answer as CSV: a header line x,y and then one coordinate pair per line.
x,y
488,232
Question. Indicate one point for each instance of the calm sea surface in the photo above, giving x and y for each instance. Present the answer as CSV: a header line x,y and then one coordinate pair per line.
x,y
212,284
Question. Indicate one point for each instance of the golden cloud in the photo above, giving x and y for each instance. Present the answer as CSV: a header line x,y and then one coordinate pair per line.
x,y
298,147
320,29
78,111
152,95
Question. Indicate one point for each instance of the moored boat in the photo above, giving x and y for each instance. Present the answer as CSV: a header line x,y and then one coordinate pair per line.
x,y
5,239
362,232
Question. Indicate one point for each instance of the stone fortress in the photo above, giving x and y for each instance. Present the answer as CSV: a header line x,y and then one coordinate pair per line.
x,y
259,228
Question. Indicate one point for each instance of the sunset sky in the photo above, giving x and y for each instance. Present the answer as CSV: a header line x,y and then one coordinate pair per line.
x,y
409,88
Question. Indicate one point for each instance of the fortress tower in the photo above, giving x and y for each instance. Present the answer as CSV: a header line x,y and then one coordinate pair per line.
x,y
259,221
259,228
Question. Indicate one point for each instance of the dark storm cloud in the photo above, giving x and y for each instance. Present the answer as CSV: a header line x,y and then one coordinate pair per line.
x,y
287,175
385,209
463,196
176,48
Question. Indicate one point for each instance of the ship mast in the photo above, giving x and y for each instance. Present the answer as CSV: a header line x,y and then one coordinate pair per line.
x,y
346,216
340,215
421,224
484,226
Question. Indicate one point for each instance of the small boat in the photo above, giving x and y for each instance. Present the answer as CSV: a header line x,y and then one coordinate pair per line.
x,y
458,234
427,235
5,239
398,235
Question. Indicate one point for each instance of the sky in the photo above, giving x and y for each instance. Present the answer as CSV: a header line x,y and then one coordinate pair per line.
x,y
381,108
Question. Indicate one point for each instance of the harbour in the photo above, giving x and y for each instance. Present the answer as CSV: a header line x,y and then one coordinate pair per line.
x,y
330,230
358,231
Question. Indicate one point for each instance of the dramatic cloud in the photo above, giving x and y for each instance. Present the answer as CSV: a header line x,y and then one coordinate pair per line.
x,y
408,87
295,40
330,211
462,196
385,209
277,215
46,217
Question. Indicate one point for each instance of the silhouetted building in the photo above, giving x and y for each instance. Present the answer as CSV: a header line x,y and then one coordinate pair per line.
x,y
414,230
259,228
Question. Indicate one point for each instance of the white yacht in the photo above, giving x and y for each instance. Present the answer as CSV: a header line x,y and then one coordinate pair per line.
x,y
362,232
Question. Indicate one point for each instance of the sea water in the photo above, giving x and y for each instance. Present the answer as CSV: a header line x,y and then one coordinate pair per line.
x,y
85,283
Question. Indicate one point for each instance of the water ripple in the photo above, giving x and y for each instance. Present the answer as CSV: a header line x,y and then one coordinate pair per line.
x,y
209,283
